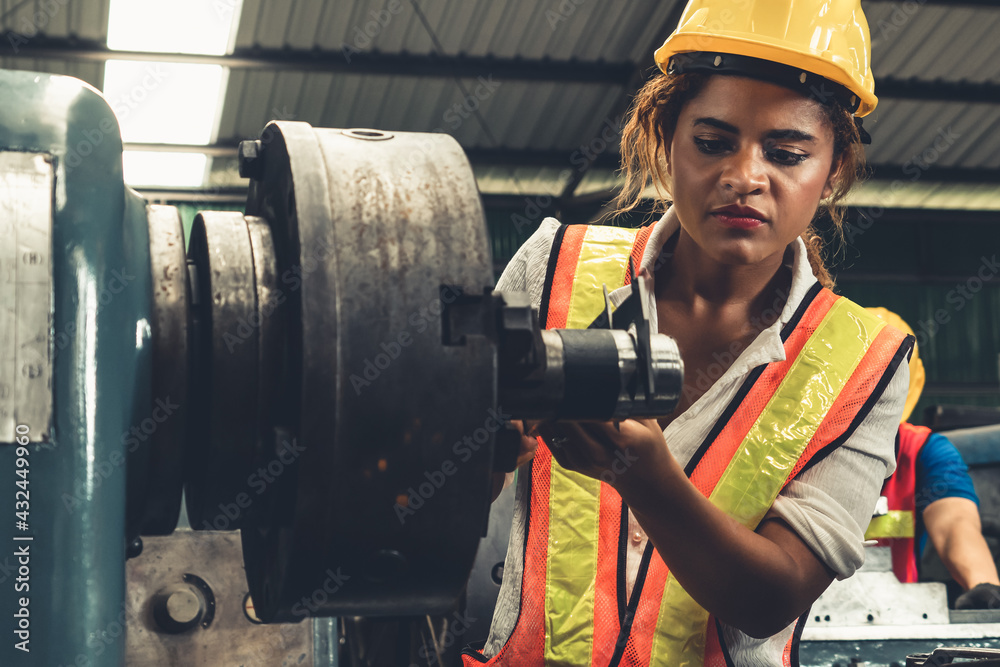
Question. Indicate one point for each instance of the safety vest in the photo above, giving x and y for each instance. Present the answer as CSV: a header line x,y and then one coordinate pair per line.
x,y
786,415
898,527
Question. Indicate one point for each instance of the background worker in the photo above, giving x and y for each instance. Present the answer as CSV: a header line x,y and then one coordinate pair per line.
x,y
932,496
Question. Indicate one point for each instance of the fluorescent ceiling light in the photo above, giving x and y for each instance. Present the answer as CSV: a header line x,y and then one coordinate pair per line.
x,y
173,26
164,103
160,169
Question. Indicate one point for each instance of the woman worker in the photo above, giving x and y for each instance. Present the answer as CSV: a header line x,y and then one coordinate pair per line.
x,y
701,538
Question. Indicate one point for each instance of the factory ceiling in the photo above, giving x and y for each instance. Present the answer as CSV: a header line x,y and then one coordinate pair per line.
x,y
534,91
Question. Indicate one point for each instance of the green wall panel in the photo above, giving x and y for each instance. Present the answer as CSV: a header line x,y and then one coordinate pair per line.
x,y
943,277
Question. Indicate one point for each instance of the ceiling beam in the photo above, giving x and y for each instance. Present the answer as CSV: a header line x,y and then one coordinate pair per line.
x,y
914,216
937,91
905,174
554,159
353,62
558,159
626,75
498,157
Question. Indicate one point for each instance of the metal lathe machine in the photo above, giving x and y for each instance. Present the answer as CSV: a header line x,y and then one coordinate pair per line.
x,y
212,450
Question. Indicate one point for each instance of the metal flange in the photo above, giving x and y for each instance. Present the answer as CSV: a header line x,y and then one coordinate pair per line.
x,y
232,271
372,238
155,468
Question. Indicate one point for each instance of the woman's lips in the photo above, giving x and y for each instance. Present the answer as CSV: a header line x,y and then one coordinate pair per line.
x,y
739,217
738,221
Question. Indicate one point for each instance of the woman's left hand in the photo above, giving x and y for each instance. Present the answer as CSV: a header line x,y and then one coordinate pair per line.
x,y
613,452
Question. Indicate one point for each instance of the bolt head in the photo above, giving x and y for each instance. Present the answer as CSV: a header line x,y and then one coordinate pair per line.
x,y
178,608
251,159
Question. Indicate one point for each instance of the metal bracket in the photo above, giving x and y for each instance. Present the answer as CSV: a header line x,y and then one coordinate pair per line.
x,y
26,183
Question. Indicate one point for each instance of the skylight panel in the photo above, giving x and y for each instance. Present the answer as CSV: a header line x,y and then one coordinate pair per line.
x,y
173,26
160,169
164,103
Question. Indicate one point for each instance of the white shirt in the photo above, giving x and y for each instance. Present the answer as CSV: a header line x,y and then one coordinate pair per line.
x,y
828,505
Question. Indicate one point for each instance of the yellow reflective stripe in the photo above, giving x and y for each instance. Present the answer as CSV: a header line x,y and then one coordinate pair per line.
x,y
680,629
574,499
571,572
897,523
772,447
603,261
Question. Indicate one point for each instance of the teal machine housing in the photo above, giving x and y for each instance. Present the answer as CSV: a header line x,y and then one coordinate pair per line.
x,y
90,445
95,356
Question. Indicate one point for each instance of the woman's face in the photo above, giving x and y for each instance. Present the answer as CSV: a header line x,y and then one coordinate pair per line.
x,y
750,162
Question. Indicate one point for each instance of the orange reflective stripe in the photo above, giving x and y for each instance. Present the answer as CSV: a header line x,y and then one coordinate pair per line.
x,y
569,261
529,642
714,656
786,657
710,469
868,371
640,642
861,384
900,491
562,280
526,645
637,249
606,626
533,587
714,462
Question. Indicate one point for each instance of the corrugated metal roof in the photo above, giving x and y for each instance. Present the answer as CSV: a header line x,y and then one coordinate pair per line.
x,y
927,194
92,73
946,134
913,41
84,19
611,31
511,114
934,42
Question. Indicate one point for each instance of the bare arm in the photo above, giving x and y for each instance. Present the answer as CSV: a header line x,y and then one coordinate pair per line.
x,y
954,528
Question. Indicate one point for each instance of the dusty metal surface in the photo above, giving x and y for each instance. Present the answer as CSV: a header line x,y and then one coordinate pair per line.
x,y
229,637
374,234
873,620
874,597
26,182
952,655
220,450
163,464
876,653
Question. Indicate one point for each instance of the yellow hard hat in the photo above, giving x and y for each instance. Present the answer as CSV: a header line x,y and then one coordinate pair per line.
x,y
916,366
825,38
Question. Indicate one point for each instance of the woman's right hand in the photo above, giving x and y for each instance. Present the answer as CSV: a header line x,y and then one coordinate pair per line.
x,y
529,439
526,451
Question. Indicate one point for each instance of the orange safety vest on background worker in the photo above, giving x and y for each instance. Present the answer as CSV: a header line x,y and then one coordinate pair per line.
x,y
897,528
573,609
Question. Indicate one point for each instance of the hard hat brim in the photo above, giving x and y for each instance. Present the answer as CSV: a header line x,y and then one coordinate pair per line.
x,y
680,42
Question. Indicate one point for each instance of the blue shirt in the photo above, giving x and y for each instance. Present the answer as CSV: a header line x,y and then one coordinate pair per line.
x,y
941,473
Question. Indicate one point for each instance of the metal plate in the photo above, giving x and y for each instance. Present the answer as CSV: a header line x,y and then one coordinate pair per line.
x,y
231,638
874,597
25,296
874,653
